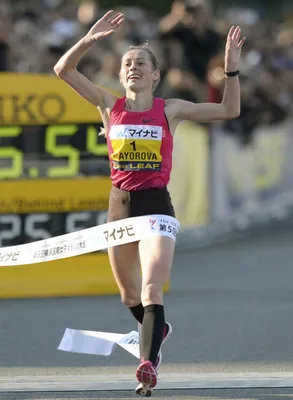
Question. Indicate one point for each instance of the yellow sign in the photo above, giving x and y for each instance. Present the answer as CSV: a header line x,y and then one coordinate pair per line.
x,y
28,99
54,195
258,167
189,178
86,275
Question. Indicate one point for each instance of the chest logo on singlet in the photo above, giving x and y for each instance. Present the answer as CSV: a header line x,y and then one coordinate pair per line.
x,y
136,147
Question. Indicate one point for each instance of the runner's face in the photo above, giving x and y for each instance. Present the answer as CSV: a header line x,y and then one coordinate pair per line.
x,y
137,72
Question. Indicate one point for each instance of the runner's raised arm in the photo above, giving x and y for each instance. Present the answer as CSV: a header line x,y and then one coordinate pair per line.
x,y
66,66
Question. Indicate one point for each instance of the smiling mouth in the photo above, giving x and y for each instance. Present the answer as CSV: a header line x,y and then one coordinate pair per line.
x,y
133,77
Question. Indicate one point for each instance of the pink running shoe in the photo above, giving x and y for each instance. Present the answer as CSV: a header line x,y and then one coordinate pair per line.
x,y
147,374
144,389
167,334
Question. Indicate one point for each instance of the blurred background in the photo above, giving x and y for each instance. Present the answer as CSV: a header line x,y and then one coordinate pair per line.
x,y
238,174
232,303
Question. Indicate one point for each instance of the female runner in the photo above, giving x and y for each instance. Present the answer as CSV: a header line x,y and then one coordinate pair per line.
x,y
139,187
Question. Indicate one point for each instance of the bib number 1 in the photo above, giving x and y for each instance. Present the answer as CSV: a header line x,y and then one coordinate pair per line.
x,y
133,145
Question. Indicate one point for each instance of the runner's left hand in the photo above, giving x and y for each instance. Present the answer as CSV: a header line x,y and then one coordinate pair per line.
x,y
233,49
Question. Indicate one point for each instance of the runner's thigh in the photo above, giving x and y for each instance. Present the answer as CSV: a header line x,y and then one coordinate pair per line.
x,y
156,255
125,265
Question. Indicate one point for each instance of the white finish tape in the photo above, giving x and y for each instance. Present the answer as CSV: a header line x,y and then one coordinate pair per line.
x,y
98,343
89,240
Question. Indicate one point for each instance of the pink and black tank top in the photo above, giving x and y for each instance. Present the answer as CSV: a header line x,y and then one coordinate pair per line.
x,y
140,147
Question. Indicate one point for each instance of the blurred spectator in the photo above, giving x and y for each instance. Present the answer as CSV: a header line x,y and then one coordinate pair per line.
x,y
261,105
188,41
87,13
215,78
191,23
108,75
181,84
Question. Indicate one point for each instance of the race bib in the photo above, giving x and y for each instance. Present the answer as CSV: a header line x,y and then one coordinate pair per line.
x,y
136,147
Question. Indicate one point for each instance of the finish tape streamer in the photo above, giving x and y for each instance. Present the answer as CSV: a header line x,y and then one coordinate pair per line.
x,y
99,343
91,239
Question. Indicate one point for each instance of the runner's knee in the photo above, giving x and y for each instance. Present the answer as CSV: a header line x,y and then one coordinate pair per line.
x,y
130,299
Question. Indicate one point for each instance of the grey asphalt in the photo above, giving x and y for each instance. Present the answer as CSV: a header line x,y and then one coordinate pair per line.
x,y
246,394
230,305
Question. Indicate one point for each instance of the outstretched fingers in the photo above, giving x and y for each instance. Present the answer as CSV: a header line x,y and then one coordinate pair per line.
x,y
231,31
110,17
107,15
108,33
117,21
234,36
114,17
241,43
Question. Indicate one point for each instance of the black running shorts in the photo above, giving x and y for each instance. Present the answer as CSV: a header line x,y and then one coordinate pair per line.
x,y
124,204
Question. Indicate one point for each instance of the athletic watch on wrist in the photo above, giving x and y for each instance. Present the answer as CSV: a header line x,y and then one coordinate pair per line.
x,y
234,73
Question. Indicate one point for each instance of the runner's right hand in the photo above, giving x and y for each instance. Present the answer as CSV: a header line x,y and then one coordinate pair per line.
x,y
105,26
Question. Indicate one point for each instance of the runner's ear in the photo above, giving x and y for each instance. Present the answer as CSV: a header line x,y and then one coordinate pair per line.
x,y
157,75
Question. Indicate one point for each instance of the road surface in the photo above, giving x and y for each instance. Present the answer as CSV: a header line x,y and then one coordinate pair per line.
x,y
231,308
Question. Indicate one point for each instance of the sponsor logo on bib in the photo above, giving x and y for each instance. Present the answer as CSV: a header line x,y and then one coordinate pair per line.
x,y
136,147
